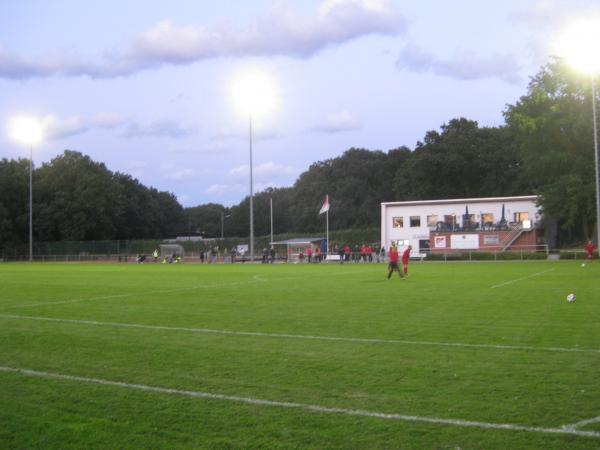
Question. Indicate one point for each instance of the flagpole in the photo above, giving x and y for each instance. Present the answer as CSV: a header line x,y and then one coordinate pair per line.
x,y
327,249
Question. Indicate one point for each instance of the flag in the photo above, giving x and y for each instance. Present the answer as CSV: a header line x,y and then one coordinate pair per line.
x,y
325,206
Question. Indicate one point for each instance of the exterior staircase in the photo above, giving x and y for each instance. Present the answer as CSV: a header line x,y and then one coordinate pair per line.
x,y
516,230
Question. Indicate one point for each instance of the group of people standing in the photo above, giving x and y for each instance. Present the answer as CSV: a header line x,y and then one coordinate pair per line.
x,y
393,265
364,253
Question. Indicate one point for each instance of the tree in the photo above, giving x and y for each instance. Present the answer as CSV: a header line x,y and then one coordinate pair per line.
x,y
76,199
14,201
553,127
460,162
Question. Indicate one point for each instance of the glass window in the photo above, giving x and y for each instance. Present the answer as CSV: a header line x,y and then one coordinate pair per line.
x,y
521,216
415,221
487,218
450,219
398,222
401,243
432,220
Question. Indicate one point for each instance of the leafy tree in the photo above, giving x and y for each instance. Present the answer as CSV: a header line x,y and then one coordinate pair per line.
x,y
553,127
75,199
14,201
461,161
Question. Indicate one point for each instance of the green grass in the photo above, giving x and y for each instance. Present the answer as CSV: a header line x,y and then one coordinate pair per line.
x,y
407,369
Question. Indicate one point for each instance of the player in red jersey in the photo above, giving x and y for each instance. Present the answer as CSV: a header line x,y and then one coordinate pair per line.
x,y
405,256
589,248
393,265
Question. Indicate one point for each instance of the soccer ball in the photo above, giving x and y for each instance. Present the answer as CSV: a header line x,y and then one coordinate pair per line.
x,y
571,298
582,264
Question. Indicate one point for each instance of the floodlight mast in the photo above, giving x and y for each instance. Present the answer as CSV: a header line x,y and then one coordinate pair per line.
x,y
597,158
578,45
30,202
27,131
251,192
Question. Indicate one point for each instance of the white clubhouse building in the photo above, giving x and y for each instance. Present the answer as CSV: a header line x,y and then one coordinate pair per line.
x,y
461,224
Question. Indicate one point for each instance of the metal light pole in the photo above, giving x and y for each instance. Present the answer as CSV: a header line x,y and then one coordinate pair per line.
x,y
271,218
597,159
251,194
223,217
30,202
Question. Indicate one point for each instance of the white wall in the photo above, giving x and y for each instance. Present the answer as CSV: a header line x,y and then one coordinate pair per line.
x,y
448,207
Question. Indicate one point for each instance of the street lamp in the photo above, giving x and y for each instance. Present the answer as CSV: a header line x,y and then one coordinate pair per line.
x,y
579,46
254,95
223,217
28,132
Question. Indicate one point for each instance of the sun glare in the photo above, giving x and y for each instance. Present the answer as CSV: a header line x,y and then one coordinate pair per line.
x,y
579,44
25,130
255,93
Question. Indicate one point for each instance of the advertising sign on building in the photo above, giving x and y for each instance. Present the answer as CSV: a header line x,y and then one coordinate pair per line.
x,y
491,239
464,241
439,242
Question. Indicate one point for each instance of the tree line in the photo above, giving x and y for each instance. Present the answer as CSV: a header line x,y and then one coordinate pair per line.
x,y
545,147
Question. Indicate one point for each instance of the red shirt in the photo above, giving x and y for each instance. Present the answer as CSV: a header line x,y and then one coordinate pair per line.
x,y
393,255
590,249
405,256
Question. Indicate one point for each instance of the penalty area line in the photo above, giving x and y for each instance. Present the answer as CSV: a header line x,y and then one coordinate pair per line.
x,y
302,336
302,406
520,279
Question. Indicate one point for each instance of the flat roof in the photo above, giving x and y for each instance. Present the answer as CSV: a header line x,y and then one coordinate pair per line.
x,y
308,240
461,201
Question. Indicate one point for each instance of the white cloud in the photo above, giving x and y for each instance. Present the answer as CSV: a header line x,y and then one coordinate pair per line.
x,y
262,172
464,65
108,120
56,128
282,32
160,128
338,122
222,189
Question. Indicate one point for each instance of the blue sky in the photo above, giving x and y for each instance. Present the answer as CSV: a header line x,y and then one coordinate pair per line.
x,y
145,86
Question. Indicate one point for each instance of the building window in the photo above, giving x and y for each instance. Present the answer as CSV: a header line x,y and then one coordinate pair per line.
x,y
450,220
521,216
401,243
415,221
398,222
432,220
487,219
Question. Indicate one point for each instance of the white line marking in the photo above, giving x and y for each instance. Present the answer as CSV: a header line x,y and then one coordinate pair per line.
x,y
522,278
301,336
581,423
255,279
303,406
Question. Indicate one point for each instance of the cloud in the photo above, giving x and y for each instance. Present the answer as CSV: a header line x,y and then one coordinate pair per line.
x,y
463,66
108,120
56,128
221,189
282,32
551,14
263,171
181,175
338,122
161,128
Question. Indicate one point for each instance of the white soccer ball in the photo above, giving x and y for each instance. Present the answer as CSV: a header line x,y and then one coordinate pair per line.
x,y
571,298
582,264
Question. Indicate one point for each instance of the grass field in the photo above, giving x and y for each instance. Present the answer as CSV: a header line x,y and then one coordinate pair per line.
x,y
463,355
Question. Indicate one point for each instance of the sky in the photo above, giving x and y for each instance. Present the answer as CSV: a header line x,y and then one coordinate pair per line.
x,y
145,86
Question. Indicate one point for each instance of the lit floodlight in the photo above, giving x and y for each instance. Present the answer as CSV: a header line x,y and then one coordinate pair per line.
x,y
579,44
25,130
255,93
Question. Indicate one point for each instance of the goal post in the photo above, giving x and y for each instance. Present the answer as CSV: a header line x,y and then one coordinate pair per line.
x,y
169,250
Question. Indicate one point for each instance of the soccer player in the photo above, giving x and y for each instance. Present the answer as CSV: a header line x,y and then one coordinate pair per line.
x,y
589,248
405,256
393,265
